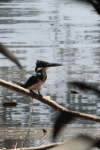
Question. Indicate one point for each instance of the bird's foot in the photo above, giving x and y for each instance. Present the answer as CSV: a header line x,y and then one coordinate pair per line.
x,y
31,92
40,94
34,93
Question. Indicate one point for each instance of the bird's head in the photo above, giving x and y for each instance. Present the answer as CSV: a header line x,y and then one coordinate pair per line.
x,y
43,65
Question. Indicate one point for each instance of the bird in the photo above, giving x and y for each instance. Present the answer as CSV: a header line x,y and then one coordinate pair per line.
x,y
35,82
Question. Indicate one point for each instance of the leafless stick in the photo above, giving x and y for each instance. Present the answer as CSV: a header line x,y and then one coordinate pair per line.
x,y
47,100
43,147
28,129
25,138
16,145
43,137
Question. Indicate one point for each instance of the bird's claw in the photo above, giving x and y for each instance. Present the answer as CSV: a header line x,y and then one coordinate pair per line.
x,y
34,93
31,92
40,95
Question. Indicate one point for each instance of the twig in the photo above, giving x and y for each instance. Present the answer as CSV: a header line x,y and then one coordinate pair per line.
x,y
43,147
43,137
28,129
47,100
25,138
16,145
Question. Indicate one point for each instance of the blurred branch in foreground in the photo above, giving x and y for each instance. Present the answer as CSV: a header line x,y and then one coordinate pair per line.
x,y
47,100
9,54
85,86
94,3
79,142
42,147
63,118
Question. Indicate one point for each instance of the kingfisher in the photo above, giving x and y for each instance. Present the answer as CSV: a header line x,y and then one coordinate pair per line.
x,y
35,82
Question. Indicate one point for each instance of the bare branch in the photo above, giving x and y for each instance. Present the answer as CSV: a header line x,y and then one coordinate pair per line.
x,y
47,100
43,147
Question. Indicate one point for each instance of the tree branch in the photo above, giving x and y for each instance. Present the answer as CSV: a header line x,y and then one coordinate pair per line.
x,y
47,100
42,147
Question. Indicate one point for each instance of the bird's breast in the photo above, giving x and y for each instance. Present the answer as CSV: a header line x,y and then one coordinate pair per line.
x,y
36,86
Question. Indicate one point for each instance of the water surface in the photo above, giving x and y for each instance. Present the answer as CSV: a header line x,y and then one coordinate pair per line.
x,y
54,31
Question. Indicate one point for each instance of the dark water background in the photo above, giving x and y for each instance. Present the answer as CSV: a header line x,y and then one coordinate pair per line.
x,y
56,31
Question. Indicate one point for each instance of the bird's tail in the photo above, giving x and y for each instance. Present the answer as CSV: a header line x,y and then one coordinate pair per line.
x,y
18,83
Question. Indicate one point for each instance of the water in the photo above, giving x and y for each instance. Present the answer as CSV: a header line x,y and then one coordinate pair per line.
x,y
55,31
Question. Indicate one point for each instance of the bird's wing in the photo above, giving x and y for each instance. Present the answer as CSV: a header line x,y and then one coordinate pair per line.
x,y
32,80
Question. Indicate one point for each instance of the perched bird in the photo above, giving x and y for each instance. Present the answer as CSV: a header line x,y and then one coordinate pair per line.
x,y
36,81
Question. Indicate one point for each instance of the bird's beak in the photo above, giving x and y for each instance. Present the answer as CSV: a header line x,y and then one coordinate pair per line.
x,y
53,65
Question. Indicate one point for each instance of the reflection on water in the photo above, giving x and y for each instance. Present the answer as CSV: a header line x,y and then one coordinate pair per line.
x,y
60,31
